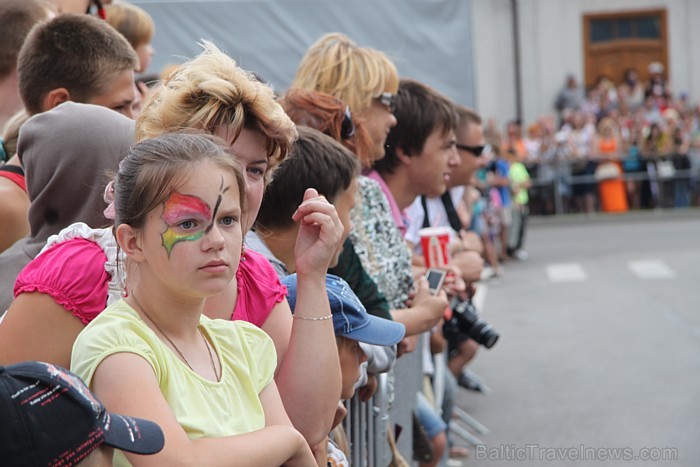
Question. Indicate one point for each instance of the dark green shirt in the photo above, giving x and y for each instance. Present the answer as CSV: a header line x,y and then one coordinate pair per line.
x,y
350,268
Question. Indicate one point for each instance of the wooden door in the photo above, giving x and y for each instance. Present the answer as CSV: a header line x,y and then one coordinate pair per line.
x,y
615,42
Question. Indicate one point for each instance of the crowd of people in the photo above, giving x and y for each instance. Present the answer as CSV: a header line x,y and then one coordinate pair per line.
x,y
612,148
225,265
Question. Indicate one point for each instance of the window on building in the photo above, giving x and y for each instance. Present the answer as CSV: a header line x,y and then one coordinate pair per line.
x,y
625,28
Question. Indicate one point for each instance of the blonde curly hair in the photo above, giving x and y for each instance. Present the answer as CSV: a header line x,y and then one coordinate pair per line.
x,y
212,91
355,75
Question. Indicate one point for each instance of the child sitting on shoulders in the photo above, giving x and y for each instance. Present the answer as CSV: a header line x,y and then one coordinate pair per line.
x,y
208,383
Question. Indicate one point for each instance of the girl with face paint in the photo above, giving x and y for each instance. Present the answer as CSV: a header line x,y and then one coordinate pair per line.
x,y
209,384
211,93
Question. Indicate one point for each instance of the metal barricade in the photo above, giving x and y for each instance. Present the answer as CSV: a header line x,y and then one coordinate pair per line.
x,y
680,189
366,428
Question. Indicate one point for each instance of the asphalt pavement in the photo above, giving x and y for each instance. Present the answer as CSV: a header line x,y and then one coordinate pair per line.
x,y
598,363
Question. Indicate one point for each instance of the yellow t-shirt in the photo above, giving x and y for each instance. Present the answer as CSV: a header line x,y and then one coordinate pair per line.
x,y
204,408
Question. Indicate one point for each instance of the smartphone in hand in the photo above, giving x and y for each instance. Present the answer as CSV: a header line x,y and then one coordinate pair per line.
x,y
435,279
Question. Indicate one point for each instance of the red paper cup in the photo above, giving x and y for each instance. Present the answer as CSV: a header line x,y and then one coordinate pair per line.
x,y
435,241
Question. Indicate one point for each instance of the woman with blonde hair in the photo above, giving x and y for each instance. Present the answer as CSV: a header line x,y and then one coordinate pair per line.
x,y
367,81
364,78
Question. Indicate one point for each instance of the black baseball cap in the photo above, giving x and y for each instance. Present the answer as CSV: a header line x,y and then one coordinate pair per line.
x,y
49,417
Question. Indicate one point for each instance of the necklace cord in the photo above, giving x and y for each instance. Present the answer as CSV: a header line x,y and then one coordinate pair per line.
x,y
217,375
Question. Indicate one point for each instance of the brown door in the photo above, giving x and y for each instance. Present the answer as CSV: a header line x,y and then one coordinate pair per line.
x,y
614,42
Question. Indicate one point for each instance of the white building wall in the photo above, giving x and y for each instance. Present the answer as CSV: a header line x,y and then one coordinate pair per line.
x,y
551,45
494,72
690,45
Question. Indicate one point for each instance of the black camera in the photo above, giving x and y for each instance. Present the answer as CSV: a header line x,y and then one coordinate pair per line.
x,y
466,321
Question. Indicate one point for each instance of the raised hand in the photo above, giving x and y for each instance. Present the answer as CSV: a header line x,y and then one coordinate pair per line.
x,y
320,233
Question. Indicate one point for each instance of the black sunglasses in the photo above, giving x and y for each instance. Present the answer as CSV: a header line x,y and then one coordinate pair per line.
x,y
475,150
347,128
388,99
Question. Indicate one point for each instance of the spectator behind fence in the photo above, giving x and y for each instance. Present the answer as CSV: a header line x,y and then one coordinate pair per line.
x,y
70,428
363,78
520,183
15,203
611,186
631,91
449,210
64,187
420,154
570,97
332,117
499,195
353,326
316,162
466,248
580,138
208,383
514,140
241,109
17,18
137,26
57,64
367,81
657,85
320,162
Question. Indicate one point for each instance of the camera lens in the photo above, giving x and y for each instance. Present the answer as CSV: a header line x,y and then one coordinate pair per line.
x,y
484,334
465,320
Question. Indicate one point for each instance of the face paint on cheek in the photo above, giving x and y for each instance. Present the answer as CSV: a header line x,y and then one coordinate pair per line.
x,y
178,208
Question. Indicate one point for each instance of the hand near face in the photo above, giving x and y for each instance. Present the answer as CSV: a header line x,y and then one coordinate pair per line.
x,y
320,233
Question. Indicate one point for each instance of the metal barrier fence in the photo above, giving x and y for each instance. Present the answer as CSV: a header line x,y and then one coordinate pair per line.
x,y
366,428
555,191
366,424
393,403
